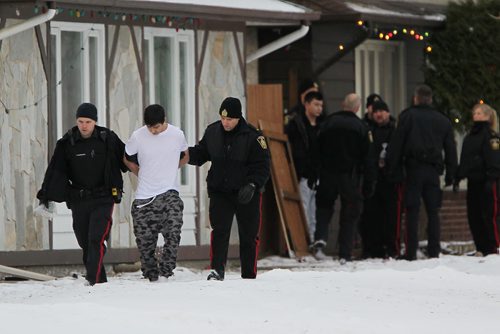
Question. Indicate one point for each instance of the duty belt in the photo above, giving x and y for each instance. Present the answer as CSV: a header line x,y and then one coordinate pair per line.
x,y
77,194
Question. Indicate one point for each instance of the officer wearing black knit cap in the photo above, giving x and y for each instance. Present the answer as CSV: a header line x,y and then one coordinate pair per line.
x,y
85,172
239,171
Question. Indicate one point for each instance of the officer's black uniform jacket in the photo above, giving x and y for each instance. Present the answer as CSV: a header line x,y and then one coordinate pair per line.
x,y
480,157
345,145
381,134
238,157
58,181
303,139
421,136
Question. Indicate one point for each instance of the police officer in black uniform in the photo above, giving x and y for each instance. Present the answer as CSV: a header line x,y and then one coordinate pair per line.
x,y
345,159
418,142
480,164
380,222
240,168
85,172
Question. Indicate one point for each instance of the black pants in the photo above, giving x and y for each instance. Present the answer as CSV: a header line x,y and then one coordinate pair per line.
x,y
423,182
330,187
222,209
483,215
92,219
380,222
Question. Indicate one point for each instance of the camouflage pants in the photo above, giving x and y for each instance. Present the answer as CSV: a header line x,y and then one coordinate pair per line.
x,y
160,214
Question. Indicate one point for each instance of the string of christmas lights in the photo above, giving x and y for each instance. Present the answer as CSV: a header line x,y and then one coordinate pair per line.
x,y
390,34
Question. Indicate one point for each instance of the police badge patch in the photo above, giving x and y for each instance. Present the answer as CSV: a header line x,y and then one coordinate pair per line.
x,y
262,142
224,113
495,144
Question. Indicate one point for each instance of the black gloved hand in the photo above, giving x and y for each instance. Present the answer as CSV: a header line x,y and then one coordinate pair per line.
x,y
44,202
488,185
368,189
312,183
246,193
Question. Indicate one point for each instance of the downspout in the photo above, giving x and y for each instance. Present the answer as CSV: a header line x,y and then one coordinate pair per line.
x,y
278,44
30,23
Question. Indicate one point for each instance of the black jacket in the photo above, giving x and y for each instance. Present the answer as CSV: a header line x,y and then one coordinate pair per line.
x,y
303,139
480,157
58,181
238,157
382,137
421,136
345,145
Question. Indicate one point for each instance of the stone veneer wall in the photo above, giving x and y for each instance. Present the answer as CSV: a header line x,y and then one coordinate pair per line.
x,y
221,77
23,142
125,115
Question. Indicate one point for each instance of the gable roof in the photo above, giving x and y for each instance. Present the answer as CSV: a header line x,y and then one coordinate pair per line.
x,y
407,12
265,11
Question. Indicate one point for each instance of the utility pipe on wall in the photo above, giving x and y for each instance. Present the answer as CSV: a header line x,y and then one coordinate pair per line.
x,y
29,23
277,44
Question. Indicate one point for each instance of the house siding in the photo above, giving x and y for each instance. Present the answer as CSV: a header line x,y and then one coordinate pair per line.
x,y
23,143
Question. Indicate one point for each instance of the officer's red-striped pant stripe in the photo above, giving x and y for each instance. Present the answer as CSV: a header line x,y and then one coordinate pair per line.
x,y
101,245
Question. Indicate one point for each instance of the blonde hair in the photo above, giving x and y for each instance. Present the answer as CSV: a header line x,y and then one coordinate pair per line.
x,y
490,112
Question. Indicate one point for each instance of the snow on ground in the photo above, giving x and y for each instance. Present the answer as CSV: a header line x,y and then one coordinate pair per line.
x,y
452,294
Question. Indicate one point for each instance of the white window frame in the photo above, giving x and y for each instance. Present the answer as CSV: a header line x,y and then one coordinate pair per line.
x,y
363,84
89,30
177,37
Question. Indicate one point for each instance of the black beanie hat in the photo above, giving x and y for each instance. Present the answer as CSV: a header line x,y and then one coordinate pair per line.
x,y
372,98
380,105
87,110
230,107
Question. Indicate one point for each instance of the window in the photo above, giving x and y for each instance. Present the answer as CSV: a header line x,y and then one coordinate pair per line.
x,y
78,67
170,80
380,69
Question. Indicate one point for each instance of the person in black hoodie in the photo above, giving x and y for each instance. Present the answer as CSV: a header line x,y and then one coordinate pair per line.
x,y
421,136
381,218
85,172
480,164
302,131
239,171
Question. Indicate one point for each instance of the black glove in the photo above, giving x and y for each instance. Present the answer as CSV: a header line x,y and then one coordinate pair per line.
x,y
312,183
488,185
246,193
368,189
44,202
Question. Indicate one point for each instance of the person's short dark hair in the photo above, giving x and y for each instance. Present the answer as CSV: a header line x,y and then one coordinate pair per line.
x,y
313,96
307,84
379,105
154,114
423,94
372,98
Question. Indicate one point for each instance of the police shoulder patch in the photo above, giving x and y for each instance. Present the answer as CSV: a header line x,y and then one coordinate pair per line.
x,y
262,142
495,143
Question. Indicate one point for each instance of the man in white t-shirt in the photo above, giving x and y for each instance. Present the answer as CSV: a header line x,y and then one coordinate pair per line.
x,y
152,153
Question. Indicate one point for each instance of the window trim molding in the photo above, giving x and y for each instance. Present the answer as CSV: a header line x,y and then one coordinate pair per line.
x,y
94,30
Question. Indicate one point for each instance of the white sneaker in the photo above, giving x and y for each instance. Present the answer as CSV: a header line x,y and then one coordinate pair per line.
x,y
320,255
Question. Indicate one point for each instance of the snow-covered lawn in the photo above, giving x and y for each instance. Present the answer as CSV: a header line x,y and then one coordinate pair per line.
x,y
453,294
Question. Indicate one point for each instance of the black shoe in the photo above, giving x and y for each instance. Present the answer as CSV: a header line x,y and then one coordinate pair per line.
x,y
215,276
